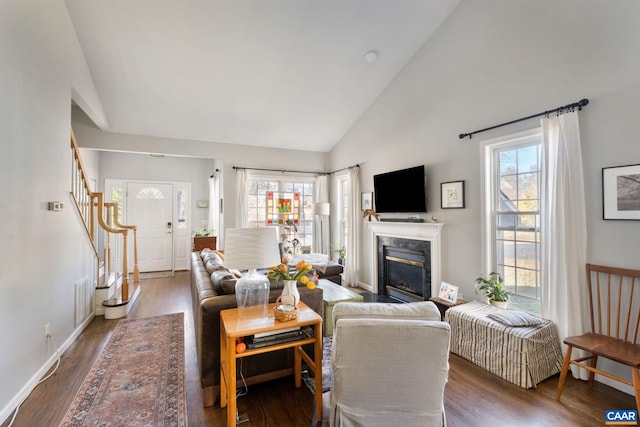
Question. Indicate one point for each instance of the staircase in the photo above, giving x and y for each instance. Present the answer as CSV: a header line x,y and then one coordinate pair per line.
x,y
114,295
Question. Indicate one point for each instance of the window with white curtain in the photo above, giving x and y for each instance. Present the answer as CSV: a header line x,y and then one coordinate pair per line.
x,y
513,209
259,186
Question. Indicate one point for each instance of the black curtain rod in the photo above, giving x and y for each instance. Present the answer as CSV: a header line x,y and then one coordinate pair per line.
x,y
347,168
294,171
568,107
280,170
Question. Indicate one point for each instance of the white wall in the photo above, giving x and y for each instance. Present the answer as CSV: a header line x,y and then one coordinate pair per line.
x,y
491,62
226,157
43,253
143,167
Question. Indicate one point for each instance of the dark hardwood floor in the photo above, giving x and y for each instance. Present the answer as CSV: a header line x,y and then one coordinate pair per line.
x,y
473,396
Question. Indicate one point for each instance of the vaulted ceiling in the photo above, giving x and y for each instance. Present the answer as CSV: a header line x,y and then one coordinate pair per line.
x,y
278,73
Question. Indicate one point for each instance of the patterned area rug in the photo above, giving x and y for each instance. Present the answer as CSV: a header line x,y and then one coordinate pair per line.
x,y
138,379
327,373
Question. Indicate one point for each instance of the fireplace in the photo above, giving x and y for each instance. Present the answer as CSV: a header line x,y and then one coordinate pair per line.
x,y
404,268
405,259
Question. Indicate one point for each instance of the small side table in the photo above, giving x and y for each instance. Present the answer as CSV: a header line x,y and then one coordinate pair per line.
x,y
201,242
233,326
443,305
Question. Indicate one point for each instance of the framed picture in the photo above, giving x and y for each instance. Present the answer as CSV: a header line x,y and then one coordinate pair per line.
x,y
452,195
621,192
366,201
448,292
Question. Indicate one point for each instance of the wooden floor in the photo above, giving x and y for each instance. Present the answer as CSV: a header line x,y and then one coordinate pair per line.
x,y
473,396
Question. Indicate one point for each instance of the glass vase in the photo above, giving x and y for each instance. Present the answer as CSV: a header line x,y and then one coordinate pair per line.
x,y
252,294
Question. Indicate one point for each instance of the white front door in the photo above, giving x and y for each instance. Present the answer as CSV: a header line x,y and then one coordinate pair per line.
x,y
150,207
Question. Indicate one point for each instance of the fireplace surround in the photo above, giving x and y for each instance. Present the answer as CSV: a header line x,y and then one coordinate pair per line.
x,y
414,251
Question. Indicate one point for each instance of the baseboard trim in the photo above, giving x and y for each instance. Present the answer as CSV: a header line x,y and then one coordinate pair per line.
x,y
366,286
26,390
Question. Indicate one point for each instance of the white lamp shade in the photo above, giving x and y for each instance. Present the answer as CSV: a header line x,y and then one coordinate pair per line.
x,y
322,208
247,248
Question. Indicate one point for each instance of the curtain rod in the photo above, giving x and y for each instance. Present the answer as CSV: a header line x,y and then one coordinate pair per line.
x,y
568,107
344,169
280,170
294,171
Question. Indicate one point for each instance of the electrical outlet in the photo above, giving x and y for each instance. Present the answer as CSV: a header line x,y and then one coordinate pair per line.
x,y
47,330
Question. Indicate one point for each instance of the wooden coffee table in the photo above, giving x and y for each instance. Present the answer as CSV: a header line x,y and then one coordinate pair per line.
x,y
232,326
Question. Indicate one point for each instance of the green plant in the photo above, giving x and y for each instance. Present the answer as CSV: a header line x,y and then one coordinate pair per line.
x,y
204,232
492,287
342,252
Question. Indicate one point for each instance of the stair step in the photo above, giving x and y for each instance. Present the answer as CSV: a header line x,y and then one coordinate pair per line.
x,y
115,308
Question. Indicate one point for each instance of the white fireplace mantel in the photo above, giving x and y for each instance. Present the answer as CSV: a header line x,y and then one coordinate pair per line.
x,y
428,231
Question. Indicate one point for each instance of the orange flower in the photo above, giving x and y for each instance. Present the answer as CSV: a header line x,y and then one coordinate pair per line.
x,y
302,268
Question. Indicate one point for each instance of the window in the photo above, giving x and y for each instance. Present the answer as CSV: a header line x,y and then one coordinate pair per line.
x,y
260,186
513,212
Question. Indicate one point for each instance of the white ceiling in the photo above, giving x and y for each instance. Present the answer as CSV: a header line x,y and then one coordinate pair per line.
x,y
279,73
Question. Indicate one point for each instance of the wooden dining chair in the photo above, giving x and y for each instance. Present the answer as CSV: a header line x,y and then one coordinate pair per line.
x,y
614,303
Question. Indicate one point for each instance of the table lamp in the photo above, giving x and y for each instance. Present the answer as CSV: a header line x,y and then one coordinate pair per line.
x,y
250,249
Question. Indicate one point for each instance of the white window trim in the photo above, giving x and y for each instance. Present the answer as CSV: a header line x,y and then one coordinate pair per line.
x,y
487,189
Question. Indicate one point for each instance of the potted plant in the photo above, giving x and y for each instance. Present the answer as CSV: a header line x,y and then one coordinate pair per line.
x,y
492,288
342,254
204,232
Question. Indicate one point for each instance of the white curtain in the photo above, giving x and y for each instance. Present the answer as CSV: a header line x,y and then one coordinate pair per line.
x,y
564,246
353,228
322,224
241,198
214,203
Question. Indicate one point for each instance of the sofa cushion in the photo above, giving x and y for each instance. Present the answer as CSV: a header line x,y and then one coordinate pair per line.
x,y
214,264
333,269
228,284
422,310
208,254
218,280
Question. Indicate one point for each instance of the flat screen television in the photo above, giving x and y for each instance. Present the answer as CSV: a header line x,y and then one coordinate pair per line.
x,y
400,191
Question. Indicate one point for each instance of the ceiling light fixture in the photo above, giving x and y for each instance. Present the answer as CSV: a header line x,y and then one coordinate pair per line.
x,y
370,56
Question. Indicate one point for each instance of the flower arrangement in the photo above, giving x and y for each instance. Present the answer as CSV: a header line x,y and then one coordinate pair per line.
x,y
281,271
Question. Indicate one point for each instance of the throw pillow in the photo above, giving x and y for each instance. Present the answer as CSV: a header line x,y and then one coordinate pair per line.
x,y
214,264
219,279
515,318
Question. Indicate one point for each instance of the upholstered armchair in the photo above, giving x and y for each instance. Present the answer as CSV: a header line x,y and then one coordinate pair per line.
x,y
390,365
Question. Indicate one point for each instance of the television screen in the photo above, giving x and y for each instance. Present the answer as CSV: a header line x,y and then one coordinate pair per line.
x,y
400,191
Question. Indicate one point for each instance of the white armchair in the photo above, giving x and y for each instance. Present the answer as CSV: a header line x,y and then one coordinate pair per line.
x,y
390,365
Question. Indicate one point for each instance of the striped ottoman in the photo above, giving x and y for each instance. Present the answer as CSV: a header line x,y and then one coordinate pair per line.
x,y
524,355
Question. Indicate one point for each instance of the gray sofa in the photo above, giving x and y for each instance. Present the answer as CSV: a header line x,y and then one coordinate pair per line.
x,y
212,290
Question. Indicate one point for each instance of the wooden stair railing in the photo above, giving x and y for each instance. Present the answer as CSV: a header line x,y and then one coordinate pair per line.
x,y
112,208
123,298
82,195
96,213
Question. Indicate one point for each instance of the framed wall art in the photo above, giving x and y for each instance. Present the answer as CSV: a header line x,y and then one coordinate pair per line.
x,y
366,201
621,192
452,195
